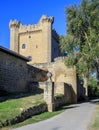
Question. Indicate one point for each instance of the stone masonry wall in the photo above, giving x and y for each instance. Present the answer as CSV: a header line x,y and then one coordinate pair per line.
x,y
37,41
61,73
16,75
55,45
12,73
66,90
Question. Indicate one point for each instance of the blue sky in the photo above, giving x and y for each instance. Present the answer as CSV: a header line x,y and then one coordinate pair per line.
x,y
29,12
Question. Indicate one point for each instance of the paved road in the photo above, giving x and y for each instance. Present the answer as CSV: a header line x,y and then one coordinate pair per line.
x,y
76,118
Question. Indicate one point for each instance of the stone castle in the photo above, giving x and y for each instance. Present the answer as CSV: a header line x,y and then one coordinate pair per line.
x,y
39,42
38,45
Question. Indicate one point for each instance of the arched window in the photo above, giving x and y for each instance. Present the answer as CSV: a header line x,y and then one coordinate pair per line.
x,y
23,46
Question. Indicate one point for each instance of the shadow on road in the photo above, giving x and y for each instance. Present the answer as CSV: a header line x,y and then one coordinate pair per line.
x,y
66,107
94,101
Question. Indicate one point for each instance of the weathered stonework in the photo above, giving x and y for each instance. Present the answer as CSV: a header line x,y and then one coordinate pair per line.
x,y
38,41
61,75
15,74
12,72
49,95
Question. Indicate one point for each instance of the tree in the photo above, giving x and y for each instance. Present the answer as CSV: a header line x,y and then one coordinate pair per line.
x,y
81,43
93,89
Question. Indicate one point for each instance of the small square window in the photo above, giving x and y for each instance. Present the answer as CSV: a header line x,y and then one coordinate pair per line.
x,y
23,46
29,36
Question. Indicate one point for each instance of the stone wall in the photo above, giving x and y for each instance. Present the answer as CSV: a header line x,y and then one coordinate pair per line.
x,y
36,74
66,90
12,73
61,73
61,88
55,48
15,74
60,101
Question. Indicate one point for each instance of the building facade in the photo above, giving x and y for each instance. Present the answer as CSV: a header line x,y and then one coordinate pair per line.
x,y
39,41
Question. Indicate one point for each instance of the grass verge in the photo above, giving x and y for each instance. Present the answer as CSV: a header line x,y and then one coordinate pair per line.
x,y
94,125
13,107
37,118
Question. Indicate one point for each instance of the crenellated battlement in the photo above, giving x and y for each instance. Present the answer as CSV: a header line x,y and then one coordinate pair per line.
x,y
33,27
55,34
44,18
28,27
14,23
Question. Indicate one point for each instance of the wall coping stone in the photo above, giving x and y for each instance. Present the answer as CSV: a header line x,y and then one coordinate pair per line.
x,y
3,49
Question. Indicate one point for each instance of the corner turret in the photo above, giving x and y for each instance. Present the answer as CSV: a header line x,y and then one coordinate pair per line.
x,y
14,29
14,23
44,18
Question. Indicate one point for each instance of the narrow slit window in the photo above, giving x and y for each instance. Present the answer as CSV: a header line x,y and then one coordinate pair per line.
x,y
36,46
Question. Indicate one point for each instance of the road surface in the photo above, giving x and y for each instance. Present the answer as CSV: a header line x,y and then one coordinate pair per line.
x,y
76,117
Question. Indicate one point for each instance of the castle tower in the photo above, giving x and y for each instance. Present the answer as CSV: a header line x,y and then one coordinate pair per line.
x,y
14,29
47,35
38,41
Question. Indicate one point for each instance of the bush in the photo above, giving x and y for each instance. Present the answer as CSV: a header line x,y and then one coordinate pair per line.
x,y
93,91
93,87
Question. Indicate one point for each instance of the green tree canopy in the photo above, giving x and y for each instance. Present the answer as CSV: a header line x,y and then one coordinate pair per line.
x,y
81,42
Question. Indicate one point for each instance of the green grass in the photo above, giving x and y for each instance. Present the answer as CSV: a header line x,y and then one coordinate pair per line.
x,y
94,125
40,117
12,107
57,96
9,109
37,118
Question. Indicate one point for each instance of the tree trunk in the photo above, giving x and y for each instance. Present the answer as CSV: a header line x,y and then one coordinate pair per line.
x,y
85,85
